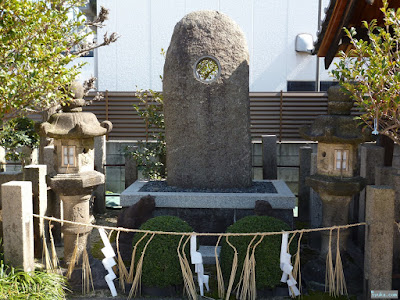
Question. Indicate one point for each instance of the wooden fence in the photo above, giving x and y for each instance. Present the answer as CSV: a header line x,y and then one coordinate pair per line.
x,y
279,113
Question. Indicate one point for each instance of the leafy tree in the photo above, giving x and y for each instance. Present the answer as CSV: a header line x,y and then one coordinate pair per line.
x,y
370,72
38,41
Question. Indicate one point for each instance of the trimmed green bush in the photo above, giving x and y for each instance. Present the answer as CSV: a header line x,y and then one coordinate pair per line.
x,y
267,254
161,266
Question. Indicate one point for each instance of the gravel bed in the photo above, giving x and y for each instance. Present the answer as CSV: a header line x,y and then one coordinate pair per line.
x,y
162,186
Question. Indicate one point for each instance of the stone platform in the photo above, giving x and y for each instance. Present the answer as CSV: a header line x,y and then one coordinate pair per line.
x,y
282,198
214,212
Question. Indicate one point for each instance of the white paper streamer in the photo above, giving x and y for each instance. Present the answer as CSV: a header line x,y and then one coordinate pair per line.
x,y
108,262
375,132
287,268
197,260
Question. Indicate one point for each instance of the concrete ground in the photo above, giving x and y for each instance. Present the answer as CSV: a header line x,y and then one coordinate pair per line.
x,y
103,294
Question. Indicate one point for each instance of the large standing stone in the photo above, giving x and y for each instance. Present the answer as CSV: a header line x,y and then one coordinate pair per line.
x,y
372,157
379,215
18,225
99,205
36,174
207,118
269,157
304,190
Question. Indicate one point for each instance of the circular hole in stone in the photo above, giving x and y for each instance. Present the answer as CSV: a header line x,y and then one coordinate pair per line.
x,y
323,154
207,69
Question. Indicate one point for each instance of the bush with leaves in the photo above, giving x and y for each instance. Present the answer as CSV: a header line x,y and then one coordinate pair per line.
x,y
17,134
150,154
267,253
370,72
161,266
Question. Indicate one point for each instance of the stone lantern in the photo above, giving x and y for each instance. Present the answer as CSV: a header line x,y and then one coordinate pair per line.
x,y
73,132
338,136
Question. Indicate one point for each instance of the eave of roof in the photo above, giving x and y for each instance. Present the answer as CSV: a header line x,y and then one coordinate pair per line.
x,y
340,14
345,13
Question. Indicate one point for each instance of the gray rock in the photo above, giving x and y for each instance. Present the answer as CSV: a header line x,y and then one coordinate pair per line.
x,y
262,208
207,122
133,217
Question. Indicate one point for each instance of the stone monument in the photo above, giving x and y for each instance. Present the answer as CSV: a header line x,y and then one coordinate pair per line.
x,y
206,103
207,128
73,132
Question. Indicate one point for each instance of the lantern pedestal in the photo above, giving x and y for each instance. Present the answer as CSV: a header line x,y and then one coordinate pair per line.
x,y
75,192
336,194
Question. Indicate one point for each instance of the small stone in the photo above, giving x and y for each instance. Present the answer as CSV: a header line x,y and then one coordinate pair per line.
x,y
263,208
133,217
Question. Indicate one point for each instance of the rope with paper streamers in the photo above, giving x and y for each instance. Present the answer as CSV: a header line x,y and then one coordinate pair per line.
x,y
246,287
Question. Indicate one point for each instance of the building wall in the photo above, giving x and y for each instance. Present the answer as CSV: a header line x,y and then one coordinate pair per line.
x,y
146,27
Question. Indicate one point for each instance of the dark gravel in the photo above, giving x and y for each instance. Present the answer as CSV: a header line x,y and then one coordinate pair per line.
x,y
162,186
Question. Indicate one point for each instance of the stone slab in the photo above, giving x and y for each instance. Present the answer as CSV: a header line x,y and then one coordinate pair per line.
x,y
283,199
6,177
269,157
379,215
99,205
75,184
208,254
37,175
303,190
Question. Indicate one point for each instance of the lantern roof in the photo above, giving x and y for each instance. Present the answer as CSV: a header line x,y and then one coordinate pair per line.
x,y
338,126
72,123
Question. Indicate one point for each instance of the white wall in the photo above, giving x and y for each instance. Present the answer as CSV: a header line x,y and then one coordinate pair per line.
x,y
88,70
145,27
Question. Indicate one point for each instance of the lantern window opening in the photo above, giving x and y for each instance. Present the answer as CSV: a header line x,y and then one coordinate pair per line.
x,y
342,160
68,156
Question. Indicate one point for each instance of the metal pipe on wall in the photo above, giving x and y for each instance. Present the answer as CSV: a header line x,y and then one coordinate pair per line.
x,y
317,78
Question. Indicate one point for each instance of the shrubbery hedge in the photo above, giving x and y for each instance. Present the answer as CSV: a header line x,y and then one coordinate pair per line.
x,y
267,254
161,266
